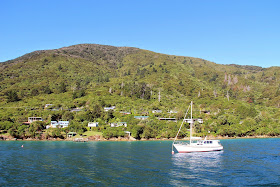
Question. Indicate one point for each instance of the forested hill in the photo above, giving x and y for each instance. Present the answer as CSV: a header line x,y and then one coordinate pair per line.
x,y
139,81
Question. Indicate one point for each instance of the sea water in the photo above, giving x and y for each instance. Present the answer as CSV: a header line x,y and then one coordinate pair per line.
x,y
244,162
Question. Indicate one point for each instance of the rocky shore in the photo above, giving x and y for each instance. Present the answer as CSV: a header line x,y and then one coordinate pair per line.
x,y
100,138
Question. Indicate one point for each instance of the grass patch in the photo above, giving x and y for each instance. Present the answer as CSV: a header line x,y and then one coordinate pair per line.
x,y
92,133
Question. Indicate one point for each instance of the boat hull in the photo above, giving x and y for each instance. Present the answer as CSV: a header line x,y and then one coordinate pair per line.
x,y
196,148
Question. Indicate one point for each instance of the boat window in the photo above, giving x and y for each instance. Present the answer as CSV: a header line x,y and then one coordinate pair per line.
x,y
211,142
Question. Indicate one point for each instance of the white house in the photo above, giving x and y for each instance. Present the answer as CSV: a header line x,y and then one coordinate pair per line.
x,y
106,109
32,119
172,112
75,110
119,124
113,124
122,124
48,105
93,124
156,111
127,133
59,124
141,117
53,124
63,124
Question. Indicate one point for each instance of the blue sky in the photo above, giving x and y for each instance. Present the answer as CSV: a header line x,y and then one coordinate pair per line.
x,y
245,32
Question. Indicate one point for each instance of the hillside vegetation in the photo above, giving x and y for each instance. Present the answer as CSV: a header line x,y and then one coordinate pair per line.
x,y
233,100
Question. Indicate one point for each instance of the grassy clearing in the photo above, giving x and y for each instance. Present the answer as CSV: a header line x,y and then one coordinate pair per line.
x,y
92,133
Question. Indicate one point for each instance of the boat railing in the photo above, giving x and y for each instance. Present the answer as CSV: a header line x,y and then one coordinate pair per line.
x,y
182,143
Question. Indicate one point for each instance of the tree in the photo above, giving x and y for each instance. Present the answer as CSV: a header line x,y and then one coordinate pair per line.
x,y
78,94
47,90
12,96
137,131
62,88
97,111
59,67
67,116
110,114
6,125
34,92
148,132
56,133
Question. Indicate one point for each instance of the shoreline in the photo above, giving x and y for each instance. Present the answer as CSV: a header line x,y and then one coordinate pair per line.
x,y
121,139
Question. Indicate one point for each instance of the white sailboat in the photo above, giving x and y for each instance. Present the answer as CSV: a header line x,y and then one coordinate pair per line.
x,y
196,144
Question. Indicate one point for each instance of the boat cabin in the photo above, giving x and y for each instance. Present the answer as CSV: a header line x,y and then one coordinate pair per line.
x,y
208,142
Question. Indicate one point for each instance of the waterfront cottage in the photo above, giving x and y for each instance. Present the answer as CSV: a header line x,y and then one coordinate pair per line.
x,y
71,134
127,133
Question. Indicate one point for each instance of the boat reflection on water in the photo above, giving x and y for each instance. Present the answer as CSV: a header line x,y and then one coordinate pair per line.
x,y
198,168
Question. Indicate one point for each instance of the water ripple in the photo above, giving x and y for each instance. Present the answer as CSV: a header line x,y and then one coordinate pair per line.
x,y
247,162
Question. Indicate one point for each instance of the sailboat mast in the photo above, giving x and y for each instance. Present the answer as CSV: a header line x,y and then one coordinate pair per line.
x,y
191,109
191,124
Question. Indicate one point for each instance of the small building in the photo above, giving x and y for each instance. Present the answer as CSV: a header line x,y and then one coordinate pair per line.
x,y
93,124
75,110
168,119
59,124
122,124
156,111
205,112
141,117
125,113
63,124
32,119
71,134
48,105
106,109
172,112
127,133
193,120
53,124
113,124
119,124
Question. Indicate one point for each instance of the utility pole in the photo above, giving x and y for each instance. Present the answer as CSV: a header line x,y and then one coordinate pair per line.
x,y
227,96
159,95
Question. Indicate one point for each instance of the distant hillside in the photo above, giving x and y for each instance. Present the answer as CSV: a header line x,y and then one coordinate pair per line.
x,y
139,81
